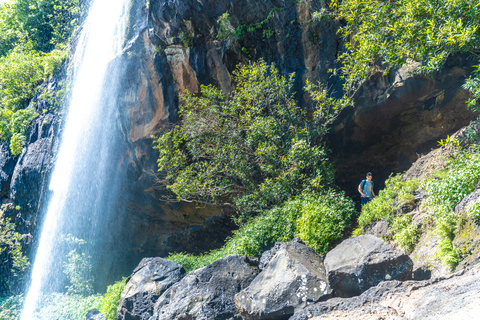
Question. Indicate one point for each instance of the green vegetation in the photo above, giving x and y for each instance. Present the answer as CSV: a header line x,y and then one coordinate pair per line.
x,y
384,34
77,266
444,191
382,207
254,149
473,210
318,219
53,306
12,257
226,31
66,306
33,44
10,307
111,299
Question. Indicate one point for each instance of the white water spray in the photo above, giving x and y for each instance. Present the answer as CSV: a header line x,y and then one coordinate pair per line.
x,y
87,123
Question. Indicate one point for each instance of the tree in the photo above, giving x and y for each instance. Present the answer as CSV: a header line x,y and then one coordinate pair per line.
x,y
253,149
391,33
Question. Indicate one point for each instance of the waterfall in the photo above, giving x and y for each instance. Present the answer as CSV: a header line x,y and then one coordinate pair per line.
x,y
84,183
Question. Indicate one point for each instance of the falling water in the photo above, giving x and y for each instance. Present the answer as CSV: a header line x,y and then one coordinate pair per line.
x,y
84,189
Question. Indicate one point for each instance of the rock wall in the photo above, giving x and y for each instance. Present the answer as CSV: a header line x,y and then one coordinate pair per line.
x,y
175,48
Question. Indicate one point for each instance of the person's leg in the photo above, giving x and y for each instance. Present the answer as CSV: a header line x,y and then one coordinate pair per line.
x,y
363,200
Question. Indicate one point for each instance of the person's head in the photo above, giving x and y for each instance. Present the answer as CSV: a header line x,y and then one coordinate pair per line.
x,y
369,176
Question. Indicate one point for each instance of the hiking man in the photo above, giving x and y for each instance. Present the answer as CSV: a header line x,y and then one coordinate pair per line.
x,y
366,189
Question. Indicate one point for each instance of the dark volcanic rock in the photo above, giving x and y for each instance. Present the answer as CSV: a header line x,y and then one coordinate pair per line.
x,y
146,284
29,179
7,164
294,278
207,293
455,296
362,262
159,66
94,314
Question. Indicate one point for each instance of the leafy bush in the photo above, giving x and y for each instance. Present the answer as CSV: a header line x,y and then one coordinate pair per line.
x,y
111,299
79,271
323,219
33,44
256,148
14,262
11,307
405,233
445,192
52,306
43,24
396,32
14,126
460,179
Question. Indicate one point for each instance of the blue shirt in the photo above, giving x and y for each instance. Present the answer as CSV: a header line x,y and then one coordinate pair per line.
x,y
367,188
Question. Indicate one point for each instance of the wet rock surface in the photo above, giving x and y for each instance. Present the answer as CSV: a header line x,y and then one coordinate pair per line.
x,y
361,262
7,164
29,183
150,279
293,278
207,293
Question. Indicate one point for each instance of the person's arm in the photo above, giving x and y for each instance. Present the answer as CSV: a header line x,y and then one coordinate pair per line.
x,y
360,190
373,193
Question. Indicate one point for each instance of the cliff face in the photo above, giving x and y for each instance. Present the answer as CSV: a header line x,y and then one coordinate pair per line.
x,y
175,45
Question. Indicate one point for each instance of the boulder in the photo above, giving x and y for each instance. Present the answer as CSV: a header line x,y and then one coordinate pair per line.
x,y
294,278
207,293
7,164
148,282
362,262
94,314
454,296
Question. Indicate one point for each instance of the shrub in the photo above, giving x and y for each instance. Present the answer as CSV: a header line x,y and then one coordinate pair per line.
x,y
405,233
14,126
393,33
254,149
459,180
323,219
111,299
11,307
78,269
14,262
77,265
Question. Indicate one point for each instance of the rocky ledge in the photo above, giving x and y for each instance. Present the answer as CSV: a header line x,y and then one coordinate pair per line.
x,y
291,281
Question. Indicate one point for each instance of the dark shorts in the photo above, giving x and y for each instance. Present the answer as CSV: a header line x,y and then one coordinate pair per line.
x,y
365,200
